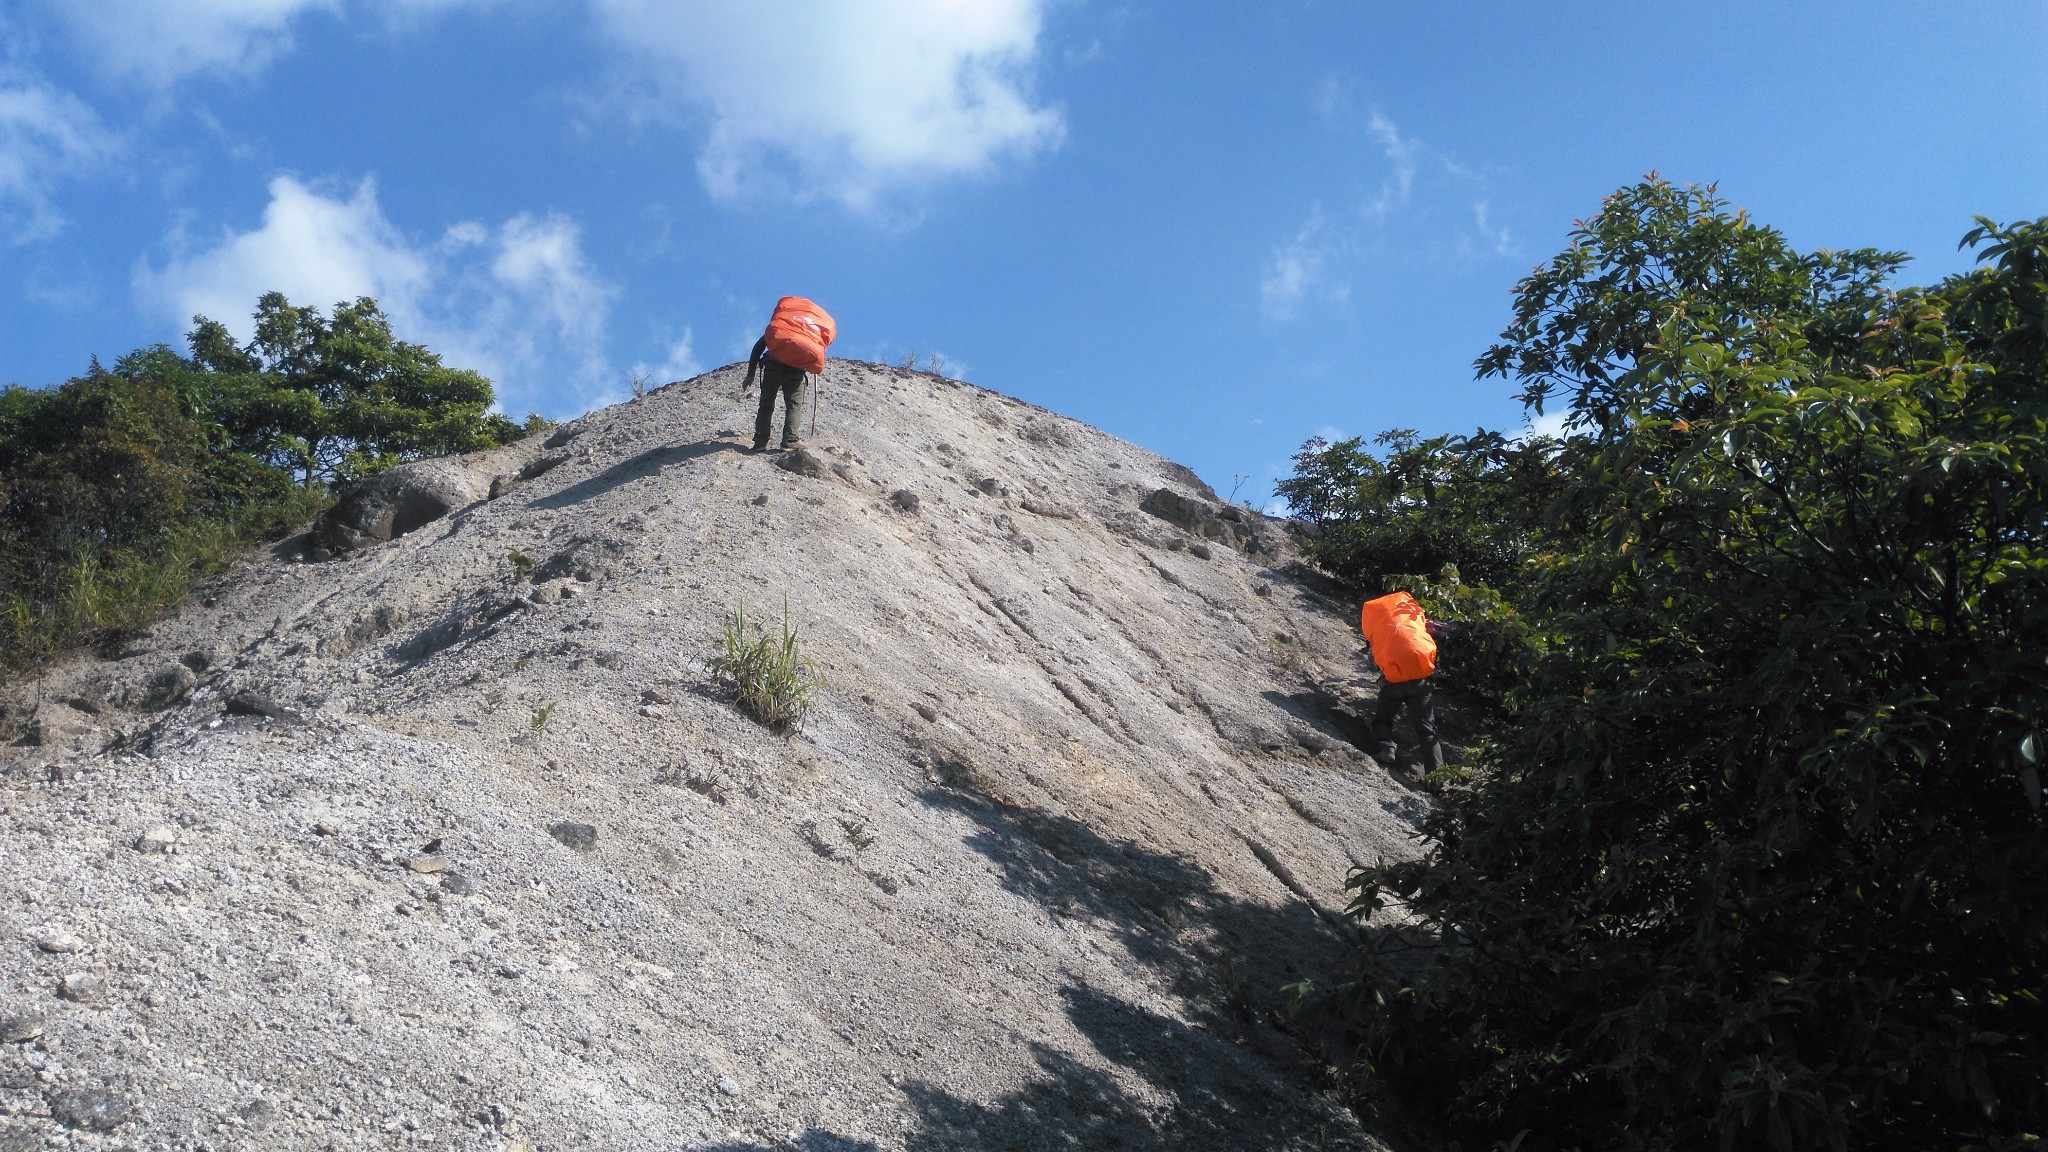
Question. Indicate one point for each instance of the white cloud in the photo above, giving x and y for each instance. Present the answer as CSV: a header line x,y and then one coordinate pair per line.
x,y
1296,266
680,363
518,302
1551,424
159,42
849,98
1413,211
45,134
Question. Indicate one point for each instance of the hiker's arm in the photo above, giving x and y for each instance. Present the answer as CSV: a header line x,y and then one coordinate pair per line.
x,y
753,362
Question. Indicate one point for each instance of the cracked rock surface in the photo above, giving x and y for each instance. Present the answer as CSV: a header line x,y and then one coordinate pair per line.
x,y
452,843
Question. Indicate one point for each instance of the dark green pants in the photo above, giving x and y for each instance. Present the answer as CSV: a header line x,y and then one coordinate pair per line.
x,y
790,383
1420,698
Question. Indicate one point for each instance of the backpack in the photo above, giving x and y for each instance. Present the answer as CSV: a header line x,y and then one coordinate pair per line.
x,y
1399,634
799,333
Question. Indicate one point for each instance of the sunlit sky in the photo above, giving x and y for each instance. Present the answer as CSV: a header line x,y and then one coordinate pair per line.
x,y
1213,229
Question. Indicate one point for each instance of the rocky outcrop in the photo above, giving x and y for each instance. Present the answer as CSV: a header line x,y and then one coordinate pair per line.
x,y
392,503
1226,524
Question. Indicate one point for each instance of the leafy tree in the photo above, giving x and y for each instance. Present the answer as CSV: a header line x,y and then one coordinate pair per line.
x,y
1756,860
119,487
1471,501
336,398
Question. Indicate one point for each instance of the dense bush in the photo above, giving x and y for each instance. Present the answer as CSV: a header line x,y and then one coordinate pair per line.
x,y
120,487
1756,859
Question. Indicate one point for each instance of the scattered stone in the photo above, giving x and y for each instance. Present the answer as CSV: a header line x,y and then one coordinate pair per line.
x,y
456,884
653,711
157,841
432,846
59,941
760,501
85,704
548,592
326,828
252,703
59,726
169,686
20,1027
905,500
801,462
1199,551
257,1114
197,660
1039,508
93,1109
655,696
925,710
728,1085
991,486
581,837
571,589
511,971
610,661
82,987
427,865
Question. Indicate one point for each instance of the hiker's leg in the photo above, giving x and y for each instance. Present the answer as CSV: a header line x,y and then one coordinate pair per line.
x,y
1422,710
765,415
1383,713
793,409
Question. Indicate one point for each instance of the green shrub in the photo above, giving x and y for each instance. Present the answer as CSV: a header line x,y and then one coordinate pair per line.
x,y
1754,860
769,676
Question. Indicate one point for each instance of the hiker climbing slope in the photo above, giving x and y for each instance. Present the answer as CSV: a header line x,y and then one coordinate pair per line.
x,y
1406,654
793,346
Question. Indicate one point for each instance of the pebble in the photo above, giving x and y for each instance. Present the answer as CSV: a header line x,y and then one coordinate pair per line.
x,y
94,1109
653,711
728,1085
327,828
20,1028
157,841
581,837
457,884
59,941
427,865
82,987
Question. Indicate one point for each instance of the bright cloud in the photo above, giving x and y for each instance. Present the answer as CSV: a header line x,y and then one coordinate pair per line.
x,y
518,302
45,134
845,98
159,42
1409,208
1295,267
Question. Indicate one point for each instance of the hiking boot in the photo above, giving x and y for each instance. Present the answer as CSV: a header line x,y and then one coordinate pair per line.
x,y
758,448
792,445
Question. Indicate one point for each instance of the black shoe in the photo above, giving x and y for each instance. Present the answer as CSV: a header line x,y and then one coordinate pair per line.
x,y
758,448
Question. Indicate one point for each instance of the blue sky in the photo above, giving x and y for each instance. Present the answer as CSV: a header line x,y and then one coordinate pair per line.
x,y
1214,229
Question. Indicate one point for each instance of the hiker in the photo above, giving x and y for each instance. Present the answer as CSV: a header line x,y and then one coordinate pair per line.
x,y
1404,649
792,347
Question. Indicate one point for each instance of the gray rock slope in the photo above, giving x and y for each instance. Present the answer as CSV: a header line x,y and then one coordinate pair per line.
x,y
450,843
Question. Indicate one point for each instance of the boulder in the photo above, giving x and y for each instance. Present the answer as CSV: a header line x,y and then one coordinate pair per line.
x,y
392,503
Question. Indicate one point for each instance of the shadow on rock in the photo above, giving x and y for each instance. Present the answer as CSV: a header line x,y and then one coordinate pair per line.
x,y
634,468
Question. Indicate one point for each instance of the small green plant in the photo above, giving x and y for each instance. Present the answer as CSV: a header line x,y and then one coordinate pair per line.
x,y
522,564
769,676
541,716
639,380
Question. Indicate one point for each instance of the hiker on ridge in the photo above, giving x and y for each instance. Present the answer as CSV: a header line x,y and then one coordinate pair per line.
x,y
1406,654
792,347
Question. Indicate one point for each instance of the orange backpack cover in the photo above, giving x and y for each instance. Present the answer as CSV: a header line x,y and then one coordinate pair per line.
x,y
1399,634
799,333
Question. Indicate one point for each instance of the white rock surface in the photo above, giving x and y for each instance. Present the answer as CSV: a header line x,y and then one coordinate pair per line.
x,y
1000,892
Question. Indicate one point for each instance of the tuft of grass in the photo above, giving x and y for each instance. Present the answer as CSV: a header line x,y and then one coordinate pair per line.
x,y
521,563
541,716
769,676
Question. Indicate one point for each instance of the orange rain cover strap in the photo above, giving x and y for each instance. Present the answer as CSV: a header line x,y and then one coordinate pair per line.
x,y
1399,634
799,333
